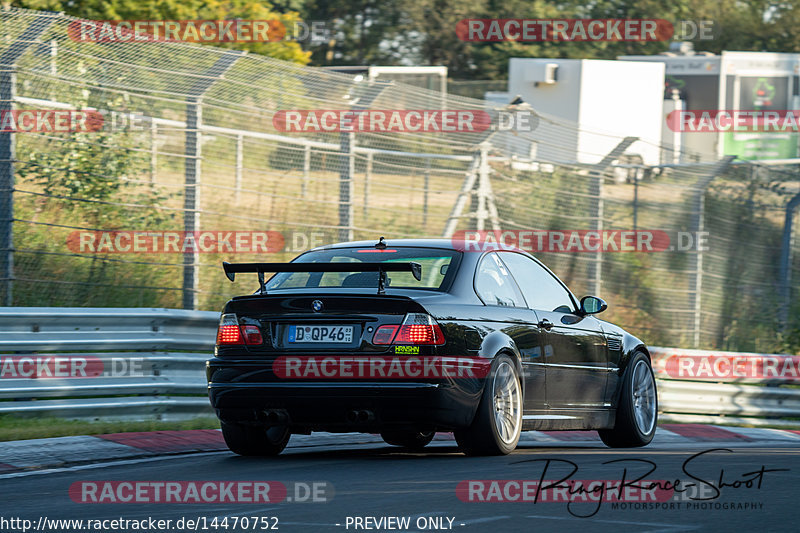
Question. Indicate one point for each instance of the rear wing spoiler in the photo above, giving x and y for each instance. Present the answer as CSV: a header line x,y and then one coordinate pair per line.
x,y
231,269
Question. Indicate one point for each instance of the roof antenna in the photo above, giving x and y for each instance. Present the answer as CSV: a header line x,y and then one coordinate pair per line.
x,y
381,245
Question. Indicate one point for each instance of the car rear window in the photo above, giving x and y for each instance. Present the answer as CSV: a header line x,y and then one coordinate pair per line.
x,y
438,267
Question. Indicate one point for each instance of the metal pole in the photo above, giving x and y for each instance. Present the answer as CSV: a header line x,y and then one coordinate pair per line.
x,y
463,196
8,82
191,201
482,212
366,94
153,151
597,175
599,208
192,171
785,275
367,174
698,206
306,169
635,201
425,194
239,164
346,172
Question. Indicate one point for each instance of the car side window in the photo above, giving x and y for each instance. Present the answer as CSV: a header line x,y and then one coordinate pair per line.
x,y
541,290
494,284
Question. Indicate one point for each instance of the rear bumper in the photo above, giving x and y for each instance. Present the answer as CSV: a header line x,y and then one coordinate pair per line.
x,y
245,391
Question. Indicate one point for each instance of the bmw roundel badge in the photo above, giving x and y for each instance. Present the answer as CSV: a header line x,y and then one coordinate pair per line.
x,y
316,305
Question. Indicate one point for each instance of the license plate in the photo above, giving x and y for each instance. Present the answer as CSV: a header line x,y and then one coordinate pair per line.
x,y
321,334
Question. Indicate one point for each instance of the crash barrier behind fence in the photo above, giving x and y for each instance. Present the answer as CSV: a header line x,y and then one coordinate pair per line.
x,y
149,363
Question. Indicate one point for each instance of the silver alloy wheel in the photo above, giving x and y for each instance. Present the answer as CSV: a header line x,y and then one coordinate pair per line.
x,y
644,397
507,403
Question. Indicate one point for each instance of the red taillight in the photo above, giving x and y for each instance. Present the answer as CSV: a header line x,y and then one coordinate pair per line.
x,y
417,328
230,332
420,334
252,335
384,335
229,335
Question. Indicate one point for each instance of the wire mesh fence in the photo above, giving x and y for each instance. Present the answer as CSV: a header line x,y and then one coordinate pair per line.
x,y
190,144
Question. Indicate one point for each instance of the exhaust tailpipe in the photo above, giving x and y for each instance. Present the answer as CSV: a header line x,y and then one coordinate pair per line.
x,y
276,416
360,416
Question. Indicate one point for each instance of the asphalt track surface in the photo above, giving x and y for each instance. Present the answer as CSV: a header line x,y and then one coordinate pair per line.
x,y
377,480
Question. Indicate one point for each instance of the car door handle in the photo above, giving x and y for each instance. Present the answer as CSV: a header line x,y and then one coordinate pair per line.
x,y
546,324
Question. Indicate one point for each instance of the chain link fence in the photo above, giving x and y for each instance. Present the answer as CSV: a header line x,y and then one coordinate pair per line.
x,y
205,155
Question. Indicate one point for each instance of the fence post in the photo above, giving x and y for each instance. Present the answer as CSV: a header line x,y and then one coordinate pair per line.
x,y
483,181
463,197
698,208
8,81
192,170
786,261
425,194
153,151
597,175
346,172
368,94
306,168
239,164
367,174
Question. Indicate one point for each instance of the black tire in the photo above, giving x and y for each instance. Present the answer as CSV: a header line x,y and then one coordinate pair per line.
x,y
411,440
483,437
630,431
255,440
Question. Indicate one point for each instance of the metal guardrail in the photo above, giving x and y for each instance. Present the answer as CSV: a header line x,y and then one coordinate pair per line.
x,y
143,368
99,328
160,380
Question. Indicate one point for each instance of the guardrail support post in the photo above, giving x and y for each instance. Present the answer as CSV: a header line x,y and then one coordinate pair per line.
x,y
8,81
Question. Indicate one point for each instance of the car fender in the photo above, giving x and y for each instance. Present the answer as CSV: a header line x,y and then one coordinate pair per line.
x,y
630,345
496,343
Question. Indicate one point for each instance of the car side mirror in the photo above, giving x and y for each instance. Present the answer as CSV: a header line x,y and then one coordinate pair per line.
x,y
592,305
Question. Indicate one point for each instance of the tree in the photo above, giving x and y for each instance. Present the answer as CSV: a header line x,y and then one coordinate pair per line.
x,y
286,49
362,32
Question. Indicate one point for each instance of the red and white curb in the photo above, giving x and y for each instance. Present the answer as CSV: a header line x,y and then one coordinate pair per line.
x,y
16,456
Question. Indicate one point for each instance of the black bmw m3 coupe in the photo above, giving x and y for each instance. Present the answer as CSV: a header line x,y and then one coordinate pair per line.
x,y
409,337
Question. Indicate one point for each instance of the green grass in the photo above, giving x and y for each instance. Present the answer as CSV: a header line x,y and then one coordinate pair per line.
x,y
18,428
